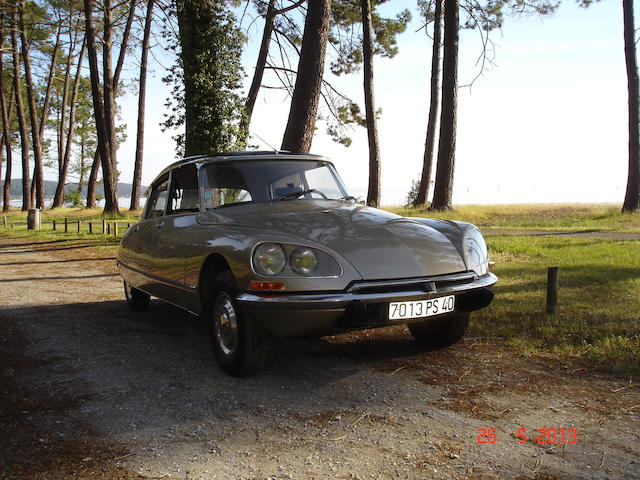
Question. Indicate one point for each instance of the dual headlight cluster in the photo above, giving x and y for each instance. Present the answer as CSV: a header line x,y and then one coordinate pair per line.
x,y
475,249
271,259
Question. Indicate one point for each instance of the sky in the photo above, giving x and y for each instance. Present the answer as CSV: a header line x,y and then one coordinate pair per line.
x,y
547,123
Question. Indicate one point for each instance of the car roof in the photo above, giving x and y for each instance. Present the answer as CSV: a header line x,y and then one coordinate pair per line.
x,y
242,155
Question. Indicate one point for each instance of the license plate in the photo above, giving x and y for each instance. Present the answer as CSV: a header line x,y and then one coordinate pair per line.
x,y
421,308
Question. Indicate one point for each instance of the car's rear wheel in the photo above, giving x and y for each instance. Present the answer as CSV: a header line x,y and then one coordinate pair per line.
x,y
240,344
136,299
440,332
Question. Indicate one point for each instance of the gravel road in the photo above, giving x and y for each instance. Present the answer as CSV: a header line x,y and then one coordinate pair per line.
x,y
89,389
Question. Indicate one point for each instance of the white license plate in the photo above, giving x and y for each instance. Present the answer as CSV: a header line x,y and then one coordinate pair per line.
x,y
421,308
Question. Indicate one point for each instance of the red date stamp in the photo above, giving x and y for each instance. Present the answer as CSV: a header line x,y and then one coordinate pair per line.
x,y
540,436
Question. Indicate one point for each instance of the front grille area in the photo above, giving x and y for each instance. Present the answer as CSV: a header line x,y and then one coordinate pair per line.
x,y
426,284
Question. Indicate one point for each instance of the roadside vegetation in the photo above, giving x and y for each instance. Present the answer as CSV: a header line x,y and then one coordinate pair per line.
x,y
560,217
597,320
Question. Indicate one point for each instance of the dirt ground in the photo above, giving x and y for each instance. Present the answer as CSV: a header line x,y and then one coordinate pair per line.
x,y
89,389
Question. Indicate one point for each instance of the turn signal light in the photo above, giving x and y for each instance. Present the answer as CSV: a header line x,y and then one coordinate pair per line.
x,y
269,286
492,265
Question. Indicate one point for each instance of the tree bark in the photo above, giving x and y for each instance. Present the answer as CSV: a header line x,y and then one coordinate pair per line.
x,y
261,62
303,112
22,127
93,180
443,191
137,172
434,107
373,194
104,137
66,155
5,131
33,111
632,195
47,95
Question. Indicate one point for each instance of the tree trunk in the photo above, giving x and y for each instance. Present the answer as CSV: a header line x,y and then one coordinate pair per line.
x,y
261,62
373,194
24,138
434,108
93,181
66,155
47,94
303,112
632,196
443,191
104,144
33,111
137,172
123,45
6,136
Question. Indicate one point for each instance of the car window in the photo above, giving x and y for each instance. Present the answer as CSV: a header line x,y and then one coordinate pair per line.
x,y
218,197
231,183
184,191
157,202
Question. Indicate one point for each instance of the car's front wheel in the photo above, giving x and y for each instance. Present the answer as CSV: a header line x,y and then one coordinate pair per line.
x,y
440,332
136,299
239,343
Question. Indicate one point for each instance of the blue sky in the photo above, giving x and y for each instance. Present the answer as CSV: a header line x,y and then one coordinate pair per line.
x,y
547,123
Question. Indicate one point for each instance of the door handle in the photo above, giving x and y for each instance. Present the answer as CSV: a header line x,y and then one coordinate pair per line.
x,y
136,228
160,225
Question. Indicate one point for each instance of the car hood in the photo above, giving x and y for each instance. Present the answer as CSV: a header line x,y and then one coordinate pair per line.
x,y
378,244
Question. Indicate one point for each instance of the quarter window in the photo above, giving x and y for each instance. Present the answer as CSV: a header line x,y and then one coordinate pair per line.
x,y
184,191
158,199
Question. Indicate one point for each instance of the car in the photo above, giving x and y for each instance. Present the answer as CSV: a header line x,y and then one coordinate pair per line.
x,y
271,244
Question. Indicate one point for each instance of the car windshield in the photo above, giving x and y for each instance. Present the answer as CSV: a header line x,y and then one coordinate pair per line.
x,y
230,183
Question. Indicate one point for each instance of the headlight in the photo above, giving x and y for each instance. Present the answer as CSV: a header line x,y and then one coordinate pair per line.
x,y
269,259
303,261
475,249
288,260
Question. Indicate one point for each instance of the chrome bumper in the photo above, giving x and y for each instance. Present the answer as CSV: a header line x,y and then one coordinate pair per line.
x,y
370,292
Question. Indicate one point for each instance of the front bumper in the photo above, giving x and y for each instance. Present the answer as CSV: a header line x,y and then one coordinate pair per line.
x,y
363,305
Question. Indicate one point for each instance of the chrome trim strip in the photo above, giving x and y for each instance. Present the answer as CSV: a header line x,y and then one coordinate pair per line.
x,y
340,300
171,283
456,277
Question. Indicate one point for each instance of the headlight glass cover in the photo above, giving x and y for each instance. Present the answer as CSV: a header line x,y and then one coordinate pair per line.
x,y
475,248
269,259
293,261
303,261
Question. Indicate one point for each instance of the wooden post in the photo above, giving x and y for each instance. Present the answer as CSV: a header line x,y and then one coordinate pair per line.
x,y
552,289
128,225
115,229
108,229
66,225
90,227
4,221
54,225
78,226
104,226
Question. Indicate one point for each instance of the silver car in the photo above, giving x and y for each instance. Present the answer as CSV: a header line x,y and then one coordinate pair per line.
x,y
263,244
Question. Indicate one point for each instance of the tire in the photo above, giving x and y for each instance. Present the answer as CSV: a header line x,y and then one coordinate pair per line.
x,y
136,299
441,332
240,344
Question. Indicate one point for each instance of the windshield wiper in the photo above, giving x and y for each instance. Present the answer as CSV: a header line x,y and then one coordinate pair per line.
x,y
299,193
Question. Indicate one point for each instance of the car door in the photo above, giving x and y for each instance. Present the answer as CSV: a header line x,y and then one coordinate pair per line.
x,y
140,240
172,234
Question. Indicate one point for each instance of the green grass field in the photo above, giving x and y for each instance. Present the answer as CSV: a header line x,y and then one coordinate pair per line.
x,y
598,316
606,218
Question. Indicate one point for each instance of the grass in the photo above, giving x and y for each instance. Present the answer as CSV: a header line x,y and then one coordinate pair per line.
x,y
598,316
537,217
72,214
